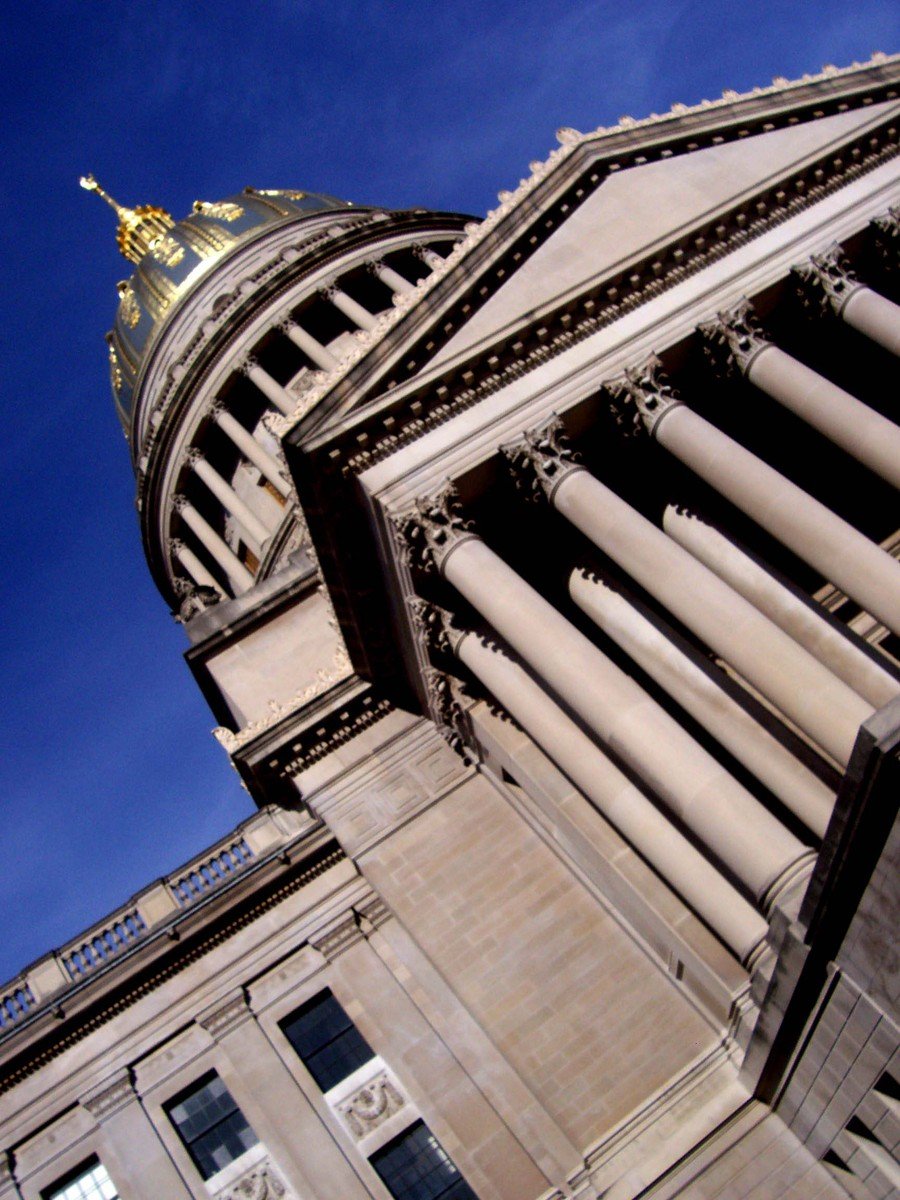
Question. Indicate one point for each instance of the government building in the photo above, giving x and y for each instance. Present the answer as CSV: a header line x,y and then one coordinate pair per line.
x,y
541,573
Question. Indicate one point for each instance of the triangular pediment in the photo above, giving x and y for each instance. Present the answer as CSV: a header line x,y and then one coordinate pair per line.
x,y
602,200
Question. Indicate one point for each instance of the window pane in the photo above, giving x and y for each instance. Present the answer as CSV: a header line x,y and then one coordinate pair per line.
x,y
91,1184
327,1040
211,1125
415,1166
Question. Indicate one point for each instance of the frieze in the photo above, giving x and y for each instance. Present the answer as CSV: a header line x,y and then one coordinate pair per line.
x,y
371,1105
331,732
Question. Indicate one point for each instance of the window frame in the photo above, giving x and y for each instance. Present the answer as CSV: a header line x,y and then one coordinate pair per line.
x,y
189,1145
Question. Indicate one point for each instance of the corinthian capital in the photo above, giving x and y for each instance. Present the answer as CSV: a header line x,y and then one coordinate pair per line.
x,y
887,237
825,281
446,711
541,459
432,529
733,339
437,626
649,393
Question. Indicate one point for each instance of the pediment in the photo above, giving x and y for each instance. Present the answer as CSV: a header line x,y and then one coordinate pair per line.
x,y
601,200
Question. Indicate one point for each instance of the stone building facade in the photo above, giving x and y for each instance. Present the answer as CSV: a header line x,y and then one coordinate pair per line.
x,y
541,573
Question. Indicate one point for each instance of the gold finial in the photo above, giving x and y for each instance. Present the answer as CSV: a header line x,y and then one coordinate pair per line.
x,y
140,229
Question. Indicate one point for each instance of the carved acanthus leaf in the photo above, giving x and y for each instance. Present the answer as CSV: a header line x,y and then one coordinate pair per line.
x,y
540,459
825,281
644,394
437,626
733,339
431,529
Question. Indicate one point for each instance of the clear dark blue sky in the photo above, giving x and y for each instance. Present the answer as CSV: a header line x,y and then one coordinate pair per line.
x,y
109,776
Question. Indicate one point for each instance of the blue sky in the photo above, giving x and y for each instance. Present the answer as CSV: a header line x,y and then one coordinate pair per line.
x,y
109,776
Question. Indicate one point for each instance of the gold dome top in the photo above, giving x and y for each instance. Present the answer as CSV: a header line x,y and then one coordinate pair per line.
x,y
140,229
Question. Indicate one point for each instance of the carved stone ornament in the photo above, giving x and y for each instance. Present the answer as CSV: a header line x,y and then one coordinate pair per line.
x,y
541,459
650,395
259,1184
825,281
446,711
249,364
887,238
337,937
371,1106
226,1016
432,529
195,597
733,339
436,625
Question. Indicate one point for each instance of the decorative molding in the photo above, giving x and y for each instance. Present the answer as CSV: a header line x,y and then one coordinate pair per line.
x,y
337,937
887,238
371,1105
260,1183
326,678
445,709
247,365
432,530
371,913
226,1017
111,1096
825,282
650,395
733,339
541,459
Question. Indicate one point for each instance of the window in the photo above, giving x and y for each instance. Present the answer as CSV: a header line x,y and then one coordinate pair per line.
x,y
90,1183
211,1125
414,1166
327,1040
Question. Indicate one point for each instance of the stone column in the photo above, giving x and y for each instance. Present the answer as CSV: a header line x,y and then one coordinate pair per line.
x,y
863,433
250,448
723,815
390,278
134,1154
787,674
826,278
311,347
216,545
430,257
269,387
802,792
349,307
280,1115
193,565
252,528
638,820
818,536
797,619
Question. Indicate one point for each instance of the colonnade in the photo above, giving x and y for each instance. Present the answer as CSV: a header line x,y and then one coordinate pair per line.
x,y
252,529
720,847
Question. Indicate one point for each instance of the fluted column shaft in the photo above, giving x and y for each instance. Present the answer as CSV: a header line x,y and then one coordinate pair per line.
x,y
818,536
875,316
218,548
727,819
783,671
270,388
637,819
799,621
253,528
311,347
351,308
859,430
784,775
251,449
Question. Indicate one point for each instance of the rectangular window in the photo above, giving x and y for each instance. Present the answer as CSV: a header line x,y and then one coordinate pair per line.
x,y
89,1183
211,1125
327,1040
414,1166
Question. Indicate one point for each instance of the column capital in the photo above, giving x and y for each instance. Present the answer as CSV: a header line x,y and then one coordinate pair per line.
x,y
825,281
650,394
374,265
445,709
247,365
195,599
432,529
285,325
328,291
223,1017
887,236
541,459
437,625
111,1095
193,455
733,339
180,503
217,409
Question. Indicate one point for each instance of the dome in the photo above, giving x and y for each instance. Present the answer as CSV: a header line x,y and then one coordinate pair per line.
x,y
171,257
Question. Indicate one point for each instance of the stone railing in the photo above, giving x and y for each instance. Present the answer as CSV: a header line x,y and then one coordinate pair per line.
x,y
160,903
